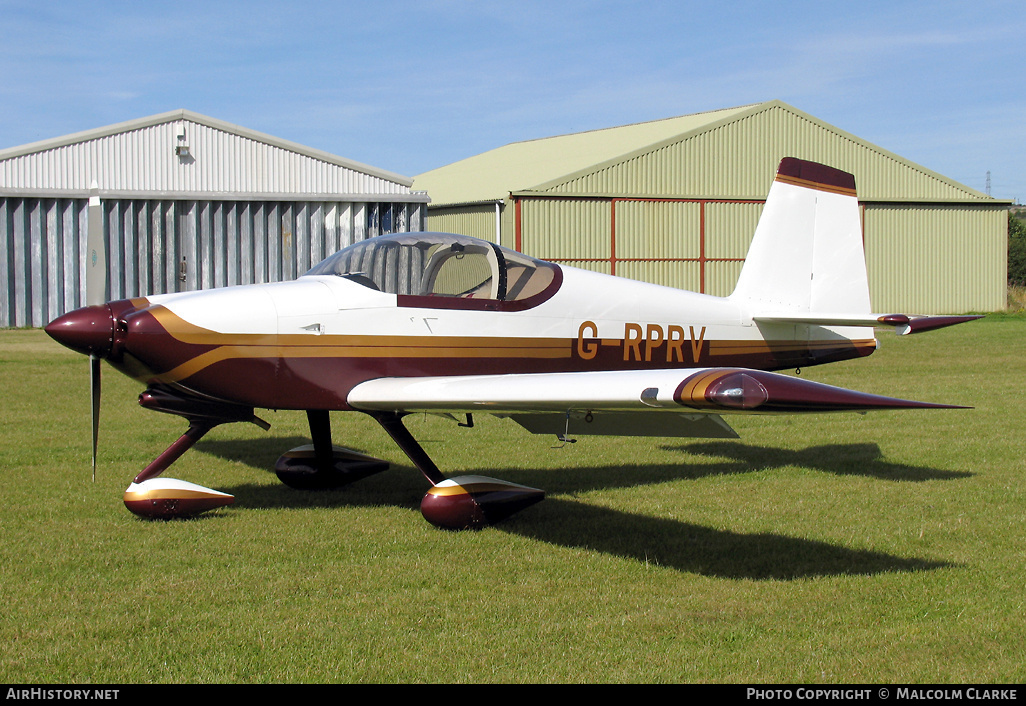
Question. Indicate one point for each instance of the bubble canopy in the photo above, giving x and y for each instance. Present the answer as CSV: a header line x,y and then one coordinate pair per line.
x,y
444,270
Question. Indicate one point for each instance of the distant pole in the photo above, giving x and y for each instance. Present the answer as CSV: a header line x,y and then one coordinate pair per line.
x,y
988,182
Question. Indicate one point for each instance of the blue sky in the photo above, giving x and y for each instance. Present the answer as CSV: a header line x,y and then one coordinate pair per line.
x,y
410,86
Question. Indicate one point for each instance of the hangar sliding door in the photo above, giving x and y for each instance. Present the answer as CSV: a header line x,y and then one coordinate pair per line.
x,y
693,244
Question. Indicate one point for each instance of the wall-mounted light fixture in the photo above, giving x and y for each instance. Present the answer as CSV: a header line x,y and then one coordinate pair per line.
x,y
182,148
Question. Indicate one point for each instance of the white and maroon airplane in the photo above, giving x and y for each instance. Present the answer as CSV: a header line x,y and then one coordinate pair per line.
x,y
440,323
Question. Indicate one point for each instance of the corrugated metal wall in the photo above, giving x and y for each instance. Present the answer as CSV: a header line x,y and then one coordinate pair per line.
x,y
43,243
42,246
932,258
697,245
569,230
477,220
922,258
217,161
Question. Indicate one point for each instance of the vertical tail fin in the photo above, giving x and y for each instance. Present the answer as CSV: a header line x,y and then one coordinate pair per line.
x,y
807,255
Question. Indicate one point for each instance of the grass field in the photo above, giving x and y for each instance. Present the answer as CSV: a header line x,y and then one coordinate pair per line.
x,y
887,547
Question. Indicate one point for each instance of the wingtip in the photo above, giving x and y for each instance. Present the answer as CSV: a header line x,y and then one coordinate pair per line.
x,y
930,323
759,391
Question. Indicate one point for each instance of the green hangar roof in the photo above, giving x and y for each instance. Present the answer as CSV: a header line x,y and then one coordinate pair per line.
x,y
729,153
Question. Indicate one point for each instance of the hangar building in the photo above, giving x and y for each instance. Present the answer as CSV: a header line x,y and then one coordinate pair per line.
x,y
188,202
676,202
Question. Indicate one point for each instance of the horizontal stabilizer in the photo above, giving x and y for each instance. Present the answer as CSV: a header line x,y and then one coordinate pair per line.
x,y
903,323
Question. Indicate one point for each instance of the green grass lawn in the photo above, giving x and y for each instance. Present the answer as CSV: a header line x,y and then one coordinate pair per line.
x,y
886,547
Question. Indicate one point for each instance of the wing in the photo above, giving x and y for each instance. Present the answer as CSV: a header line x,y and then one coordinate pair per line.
x,y
680,402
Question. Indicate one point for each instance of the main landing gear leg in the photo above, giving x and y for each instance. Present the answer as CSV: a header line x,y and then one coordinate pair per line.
x,y
393,424
322,466
465,502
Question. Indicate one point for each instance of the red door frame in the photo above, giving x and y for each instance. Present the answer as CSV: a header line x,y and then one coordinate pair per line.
x,y
702,258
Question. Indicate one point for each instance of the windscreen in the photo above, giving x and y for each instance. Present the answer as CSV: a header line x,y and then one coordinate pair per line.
x,y
439,265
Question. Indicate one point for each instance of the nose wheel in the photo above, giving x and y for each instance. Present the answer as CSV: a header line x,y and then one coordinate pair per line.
x,y
166,498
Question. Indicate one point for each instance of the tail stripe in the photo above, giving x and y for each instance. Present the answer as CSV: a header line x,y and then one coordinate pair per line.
x,y
815,176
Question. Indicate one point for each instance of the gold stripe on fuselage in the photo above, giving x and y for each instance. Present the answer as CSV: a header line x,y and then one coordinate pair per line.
x,y
387,347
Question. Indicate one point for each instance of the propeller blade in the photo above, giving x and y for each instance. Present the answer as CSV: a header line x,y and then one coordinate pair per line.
x,y
94,385
96,293
96,251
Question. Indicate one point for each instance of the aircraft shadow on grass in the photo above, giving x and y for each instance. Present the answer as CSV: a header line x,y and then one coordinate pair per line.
x,y
669,543
692,548
840,459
